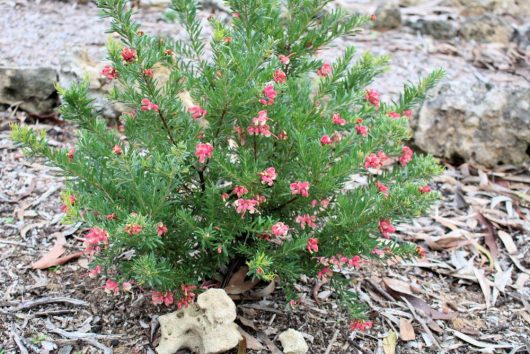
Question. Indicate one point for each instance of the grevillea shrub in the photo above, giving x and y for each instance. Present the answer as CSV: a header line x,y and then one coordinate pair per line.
x,y
240,151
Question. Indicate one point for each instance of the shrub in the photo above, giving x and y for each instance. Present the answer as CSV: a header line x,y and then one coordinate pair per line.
x,y
242,154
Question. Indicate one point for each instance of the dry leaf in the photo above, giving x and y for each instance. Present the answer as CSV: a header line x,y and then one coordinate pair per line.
x,y
53,257
507,240
489,235
238,285
480,344
397,285
390,342
252,343
486,290
406,331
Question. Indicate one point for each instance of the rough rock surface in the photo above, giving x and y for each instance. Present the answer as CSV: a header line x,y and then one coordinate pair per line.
x,y
474,121
388,16
293,342
487,28
206,327
32,89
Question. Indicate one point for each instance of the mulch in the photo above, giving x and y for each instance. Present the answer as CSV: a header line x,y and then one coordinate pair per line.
x,y
470,294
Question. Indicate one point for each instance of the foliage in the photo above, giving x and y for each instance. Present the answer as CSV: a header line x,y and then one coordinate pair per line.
x,y
239,151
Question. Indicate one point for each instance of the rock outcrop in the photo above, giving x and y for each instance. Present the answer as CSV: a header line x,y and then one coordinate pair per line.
x,y
32,89
474,121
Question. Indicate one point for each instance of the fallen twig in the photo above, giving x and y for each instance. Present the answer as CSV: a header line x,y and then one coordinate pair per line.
x,y
48,300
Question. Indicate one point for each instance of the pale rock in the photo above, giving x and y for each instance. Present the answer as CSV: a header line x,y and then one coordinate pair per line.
x,y
32,89
206,327
293,342
486,29
388,16
77,65
475,121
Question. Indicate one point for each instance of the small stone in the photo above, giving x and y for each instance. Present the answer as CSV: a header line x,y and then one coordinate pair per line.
x,y
293,342
206,327
388,16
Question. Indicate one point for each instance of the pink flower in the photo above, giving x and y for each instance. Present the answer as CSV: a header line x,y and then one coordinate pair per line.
x,y
378,252
336,137
325,274
245,205
239,191
94,238
111,287
373,97
382,188
203,151
301,188
111,216
372,161
95,272
306,219
148,105
109,72
126,286
227,40
324,203
386,228
337,119
424,189
148,72
159,298
383,158
394,115
361,325
187,297
197,112
268,176
324,70
279,229
117,150
326,140
283,135
71,154
312,245
362,130
236,14
355,261
161,229
421,252
407,113
260,199
279,76
270,94
128,54
259,125
285,59
406,156
132,229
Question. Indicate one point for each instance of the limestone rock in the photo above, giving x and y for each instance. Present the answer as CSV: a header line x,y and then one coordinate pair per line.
x,y
206,327
32,88
293,342
486,28
388,16
475,121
